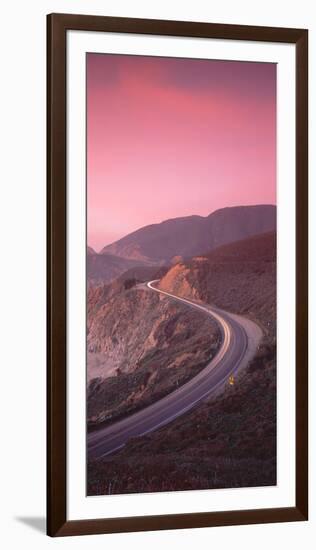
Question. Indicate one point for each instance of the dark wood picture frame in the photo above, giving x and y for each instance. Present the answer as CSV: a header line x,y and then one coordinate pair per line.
x,y
57,27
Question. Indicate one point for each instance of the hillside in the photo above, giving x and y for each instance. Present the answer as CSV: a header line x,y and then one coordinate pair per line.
x,y
239,277
229,441
188,236
140,274
140,347
103,268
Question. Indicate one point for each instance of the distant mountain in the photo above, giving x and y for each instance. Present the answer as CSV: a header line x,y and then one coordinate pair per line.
x,y
90,251
102,268
192,235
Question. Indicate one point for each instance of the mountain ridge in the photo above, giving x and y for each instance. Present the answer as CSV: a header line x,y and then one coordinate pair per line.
x,y
105,268
190,235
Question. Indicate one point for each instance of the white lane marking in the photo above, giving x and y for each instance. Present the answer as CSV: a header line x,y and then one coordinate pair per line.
x,y
214,362
221,321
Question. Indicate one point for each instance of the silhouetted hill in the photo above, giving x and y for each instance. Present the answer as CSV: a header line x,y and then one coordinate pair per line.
x,y
188,236
103,268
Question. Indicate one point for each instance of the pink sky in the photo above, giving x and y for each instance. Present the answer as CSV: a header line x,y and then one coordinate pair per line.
x,y
173,137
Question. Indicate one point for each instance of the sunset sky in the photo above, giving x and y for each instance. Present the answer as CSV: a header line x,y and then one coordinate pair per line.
x,y
171,137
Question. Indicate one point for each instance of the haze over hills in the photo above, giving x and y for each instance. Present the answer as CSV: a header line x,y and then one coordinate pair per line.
x,y
106,268
192,235
173,240
90,251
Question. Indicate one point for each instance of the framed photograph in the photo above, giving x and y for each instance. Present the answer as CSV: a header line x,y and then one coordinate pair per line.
x,y
177,275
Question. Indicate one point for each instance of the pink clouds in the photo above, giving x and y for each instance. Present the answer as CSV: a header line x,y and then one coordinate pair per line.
x,y
174,137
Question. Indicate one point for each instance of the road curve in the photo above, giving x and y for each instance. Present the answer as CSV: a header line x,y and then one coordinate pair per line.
x,y
240,338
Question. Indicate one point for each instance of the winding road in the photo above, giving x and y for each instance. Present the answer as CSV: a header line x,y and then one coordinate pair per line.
x,y
240,339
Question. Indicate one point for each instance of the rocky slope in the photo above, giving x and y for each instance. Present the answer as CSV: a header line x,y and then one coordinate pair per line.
x,y
140,347
239,277
188,236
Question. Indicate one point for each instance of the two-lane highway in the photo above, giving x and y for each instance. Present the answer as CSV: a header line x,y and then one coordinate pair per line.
x,y
240,338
